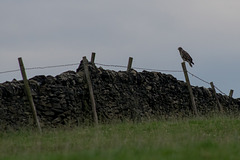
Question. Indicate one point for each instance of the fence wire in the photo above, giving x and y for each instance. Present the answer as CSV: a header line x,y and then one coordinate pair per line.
x,y
198,78
139,68
220,90
159,70
56,66
111,65
156,70
206,82
10,71
40,68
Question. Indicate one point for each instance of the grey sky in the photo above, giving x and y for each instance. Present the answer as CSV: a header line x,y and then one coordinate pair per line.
x,y
61,32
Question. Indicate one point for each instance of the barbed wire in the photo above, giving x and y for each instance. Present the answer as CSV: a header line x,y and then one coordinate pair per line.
x,y
15,70
157,70
38,68
56,66
150,69
220,90
111,65
206,82
198,78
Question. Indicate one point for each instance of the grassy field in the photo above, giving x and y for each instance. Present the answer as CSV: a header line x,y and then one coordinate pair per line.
x,y
215,138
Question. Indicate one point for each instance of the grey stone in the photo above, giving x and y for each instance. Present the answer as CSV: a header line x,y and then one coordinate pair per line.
x,y
119,95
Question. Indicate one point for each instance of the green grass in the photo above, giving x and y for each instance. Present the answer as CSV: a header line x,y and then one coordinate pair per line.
x,y
215,138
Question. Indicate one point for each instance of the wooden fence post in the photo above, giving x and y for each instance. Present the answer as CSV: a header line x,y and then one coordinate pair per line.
x,y
231,93
216,98
130,60
29,95
85,63
93,57
194,108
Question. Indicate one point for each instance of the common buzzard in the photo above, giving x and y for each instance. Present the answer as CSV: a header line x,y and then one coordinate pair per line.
x,y
185,56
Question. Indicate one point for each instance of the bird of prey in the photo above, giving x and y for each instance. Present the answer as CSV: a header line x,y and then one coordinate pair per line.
x,y
185,56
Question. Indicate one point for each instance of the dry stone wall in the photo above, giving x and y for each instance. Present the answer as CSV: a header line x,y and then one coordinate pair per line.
x,y
64,99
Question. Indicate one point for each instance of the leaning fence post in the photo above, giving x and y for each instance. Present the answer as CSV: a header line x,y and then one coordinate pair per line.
x,y
28,92
93,57
194,108
231,93
85,63
215,95
130,60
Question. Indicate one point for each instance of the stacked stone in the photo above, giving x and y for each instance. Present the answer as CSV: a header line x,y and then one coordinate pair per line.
x,y
64,99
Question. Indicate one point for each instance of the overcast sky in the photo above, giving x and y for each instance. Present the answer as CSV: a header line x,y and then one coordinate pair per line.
x,y
52,32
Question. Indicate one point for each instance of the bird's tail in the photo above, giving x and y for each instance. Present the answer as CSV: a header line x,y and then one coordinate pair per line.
x,y
190,64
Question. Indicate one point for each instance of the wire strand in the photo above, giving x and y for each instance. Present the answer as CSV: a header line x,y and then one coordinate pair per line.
x,y
15,70
37,68
140,68
158,70
206,82
220,90
56,66
199,78
111,65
